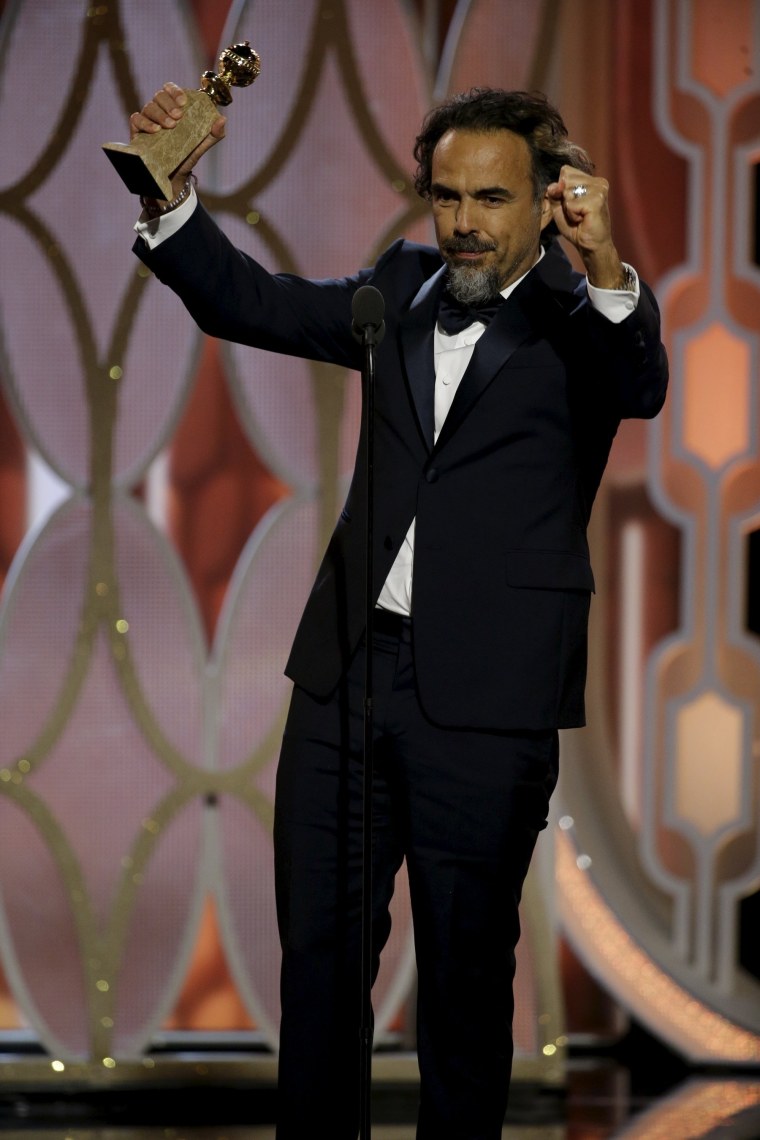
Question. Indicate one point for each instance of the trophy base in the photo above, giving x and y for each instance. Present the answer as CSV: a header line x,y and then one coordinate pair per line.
x,y
136,174
146,165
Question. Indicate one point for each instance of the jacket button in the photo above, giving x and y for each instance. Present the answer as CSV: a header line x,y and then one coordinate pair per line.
x,y
431,476
388,542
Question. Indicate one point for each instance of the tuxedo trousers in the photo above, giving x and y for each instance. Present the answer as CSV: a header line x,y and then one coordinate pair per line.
x,y
464,809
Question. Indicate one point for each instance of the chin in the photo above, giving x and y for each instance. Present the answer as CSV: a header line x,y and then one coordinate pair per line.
x,y
473,284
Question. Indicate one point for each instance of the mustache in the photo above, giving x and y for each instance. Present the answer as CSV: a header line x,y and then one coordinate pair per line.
x,y
468,244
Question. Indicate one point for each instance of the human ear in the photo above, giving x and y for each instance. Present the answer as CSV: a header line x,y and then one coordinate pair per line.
x,y
547,213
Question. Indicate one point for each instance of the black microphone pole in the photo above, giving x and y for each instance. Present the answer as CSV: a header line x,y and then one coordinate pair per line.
x,y
368,328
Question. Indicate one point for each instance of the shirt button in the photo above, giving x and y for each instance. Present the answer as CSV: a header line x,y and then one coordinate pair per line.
x,y
431,476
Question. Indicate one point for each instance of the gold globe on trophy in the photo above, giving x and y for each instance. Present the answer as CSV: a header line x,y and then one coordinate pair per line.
x,y
147,164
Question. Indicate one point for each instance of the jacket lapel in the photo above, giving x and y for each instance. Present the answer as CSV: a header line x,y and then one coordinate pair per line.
x,y
417,328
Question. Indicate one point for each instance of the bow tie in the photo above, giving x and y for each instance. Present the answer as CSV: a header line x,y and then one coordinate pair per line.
x,y
453,316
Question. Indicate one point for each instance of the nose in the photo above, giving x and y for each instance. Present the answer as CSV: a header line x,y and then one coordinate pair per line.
x,y
464,219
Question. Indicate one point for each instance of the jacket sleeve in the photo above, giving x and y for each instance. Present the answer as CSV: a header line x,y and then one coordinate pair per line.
x,y
634,361
231,296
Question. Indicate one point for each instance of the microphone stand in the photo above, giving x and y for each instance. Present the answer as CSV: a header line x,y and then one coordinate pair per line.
x,y
368,328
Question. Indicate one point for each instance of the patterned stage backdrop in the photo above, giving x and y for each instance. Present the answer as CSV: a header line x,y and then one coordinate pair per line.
x,y
164,500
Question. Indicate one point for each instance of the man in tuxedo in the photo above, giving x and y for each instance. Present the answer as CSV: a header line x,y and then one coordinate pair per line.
x,y
501,380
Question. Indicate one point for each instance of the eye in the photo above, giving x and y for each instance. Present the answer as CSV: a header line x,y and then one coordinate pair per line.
x,y
442,196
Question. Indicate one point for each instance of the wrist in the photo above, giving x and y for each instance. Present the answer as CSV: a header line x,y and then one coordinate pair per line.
x,y
605,270
157,207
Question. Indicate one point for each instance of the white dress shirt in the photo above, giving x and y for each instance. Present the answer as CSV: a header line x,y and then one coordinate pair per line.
x,y
452,355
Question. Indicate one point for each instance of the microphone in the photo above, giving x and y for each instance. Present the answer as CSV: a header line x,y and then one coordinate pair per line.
x,y
367,308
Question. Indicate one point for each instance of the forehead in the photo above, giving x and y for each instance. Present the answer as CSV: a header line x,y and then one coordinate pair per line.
x,y
482,158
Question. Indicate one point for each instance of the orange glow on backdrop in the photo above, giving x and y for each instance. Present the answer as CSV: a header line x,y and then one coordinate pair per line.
x,y
716,413
721,43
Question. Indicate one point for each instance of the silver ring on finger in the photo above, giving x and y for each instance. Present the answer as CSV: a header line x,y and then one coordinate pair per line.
x,y
579,191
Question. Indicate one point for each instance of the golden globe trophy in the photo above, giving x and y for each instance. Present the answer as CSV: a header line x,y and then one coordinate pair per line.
x,y
146,164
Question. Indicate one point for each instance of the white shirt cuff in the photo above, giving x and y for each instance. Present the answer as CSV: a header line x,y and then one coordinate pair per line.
x,y
155,230
615,304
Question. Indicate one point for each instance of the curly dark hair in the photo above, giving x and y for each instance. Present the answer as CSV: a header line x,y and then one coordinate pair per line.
x,y
487,109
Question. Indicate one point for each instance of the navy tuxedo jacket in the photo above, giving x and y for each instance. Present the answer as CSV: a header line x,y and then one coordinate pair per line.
x,y
502,579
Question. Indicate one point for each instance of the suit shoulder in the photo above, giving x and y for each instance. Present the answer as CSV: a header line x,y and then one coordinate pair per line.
x,y
405,255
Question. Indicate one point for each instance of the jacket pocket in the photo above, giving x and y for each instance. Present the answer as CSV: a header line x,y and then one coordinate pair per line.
x,y
549,570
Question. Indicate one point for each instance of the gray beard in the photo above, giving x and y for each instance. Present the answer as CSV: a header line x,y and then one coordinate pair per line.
x,y
471,286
